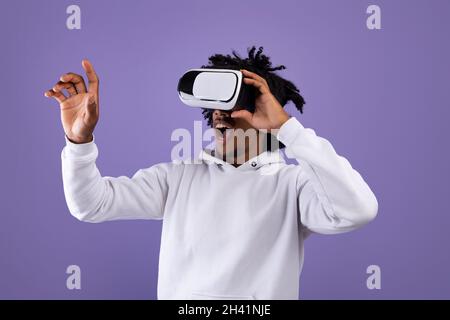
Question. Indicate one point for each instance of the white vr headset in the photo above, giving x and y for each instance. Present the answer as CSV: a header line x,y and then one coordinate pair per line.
x,y
221,89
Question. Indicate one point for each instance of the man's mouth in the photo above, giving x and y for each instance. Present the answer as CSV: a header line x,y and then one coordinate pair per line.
x,y
222,126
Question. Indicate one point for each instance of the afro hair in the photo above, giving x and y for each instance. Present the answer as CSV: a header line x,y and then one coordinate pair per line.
x,y
282,89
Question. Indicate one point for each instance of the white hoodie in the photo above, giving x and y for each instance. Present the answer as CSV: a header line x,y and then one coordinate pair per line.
x,y
228,233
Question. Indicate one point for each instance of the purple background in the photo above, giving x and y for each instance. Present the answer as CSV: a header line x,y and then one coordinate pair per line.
x,y
381,97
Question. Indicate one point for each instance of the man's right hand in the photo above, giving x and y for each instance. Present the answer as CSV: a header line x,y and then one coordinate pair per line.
x,y
79,109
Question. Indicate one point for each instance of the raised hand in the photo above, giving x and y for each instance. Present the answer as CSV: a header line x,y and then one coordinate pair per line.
x,y
79,105
269,114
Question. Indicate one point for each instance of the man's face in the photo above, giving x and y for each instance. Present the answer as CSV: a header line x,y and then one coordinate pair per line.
x,y
232,134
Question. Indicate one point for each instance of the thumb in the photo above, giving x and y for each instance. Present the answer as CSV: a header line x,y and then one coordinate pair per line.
x,y
243,114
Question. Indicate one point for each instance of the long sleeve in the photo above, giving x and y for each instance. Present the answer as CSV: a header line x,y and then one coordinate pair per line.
x,y
332,196
93,198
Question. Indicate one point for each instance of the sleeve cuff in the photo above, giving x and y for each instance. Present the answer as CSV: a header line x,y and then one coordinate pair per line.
x,y
289,131
81,149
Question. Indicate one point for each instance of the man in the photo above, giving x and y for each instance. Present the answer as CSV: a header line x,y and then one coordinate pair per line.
x,y
233,224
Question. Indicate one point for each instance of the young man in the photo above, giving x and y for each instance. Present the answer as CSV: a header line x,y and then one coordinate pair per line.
x,y
233,224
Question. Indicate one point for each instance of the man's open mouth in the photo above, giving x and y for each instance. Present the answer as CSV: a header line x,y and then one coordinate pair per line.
x,y
223,127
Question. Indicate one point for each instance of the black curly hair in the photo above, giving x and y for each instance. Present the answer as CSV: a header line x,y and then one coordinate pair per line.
x,y
283,90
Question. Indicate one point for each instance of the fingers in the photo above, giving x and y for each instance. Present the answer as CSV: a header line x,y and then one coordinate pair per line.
x,y
243,114
58,96
91,75
70,88
261,86
76,79
254,76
